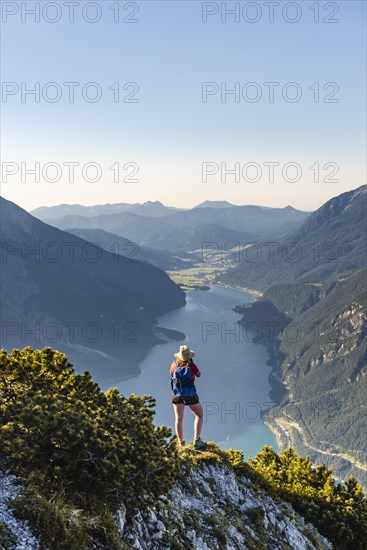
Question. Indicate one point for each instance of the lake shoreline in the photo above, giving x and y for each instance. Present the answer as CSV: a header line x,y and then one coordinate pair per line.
x,y
290,435
246,387
278,389
247,290
162,336
168,335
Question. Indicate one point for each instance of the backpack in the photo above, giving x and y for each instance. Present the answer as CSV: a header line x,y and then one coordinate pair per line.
x,y
181,383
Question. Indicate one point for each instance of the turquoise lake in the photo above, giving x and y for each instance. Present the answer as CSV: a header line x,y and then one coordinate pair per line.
x,y
234,386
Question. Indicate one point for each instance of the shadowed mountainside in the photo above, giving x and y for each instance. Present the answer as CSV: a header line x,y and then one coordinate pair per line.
x,y
59,289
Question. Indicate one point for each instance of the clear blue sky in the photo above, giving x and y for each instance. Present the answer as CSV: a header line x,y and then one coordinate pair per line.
x,y
170,132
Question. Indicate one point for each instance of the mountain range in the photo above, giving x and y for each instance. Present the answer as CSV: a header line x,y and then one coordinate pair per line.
x,y
148,208
180,231
59,289
318,342
331,241
310,272
125,247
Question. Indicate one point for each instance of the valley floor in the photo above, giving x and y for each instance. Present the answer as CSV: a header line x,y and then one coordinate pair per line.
x,y
205,274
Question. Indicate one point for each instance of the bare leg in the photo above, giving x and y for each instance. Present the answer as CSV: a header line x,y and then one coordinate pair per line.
x,y
179,414
198,412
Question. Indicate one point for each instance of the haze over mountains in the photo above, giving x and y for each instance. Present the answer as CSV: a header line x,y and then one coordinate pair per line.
x,y
331,241
214,204
181,231
148,208
119,245
60,290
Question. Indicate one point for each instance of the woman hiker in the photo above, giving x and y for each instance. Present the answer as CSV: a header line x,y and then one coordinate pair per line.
x,y
183,371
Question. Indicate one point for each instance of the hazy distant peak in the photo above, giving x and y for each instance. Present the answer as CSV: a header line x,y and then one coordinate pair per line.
x,y
153,203
214,204
148,208
64,205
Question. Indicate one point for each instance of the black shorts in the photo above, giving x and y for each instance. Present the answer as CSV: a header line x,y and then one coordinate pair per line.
x,y
191,400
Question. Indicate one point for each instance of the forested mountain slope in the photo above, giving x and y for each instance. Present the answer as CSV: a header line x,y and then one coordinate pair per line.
x,y
319,351
332,241
176,230
96,473
59,289
132,251
316,307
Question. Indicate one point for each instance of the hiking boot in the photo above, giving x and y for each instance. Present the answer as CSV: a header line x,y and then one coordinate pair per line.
x,y
182,444
199,444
